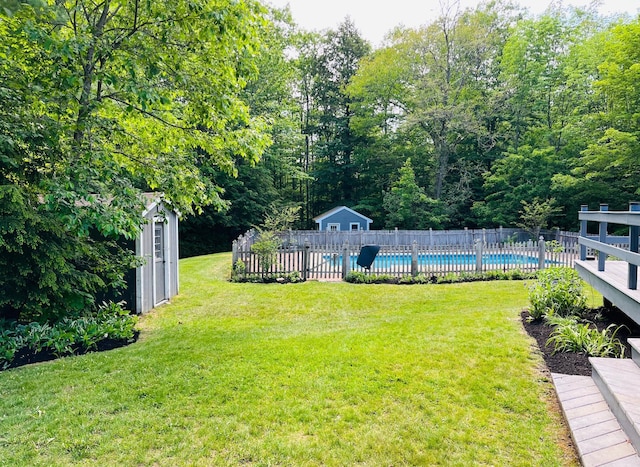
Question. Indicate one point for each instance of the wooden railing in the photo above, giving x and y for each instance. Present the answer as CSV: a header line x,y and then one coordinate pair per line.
x,y
624,248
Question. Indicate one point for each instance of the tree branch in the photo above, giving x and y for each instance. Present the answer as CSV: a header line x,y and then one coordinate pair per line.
x,y
147,113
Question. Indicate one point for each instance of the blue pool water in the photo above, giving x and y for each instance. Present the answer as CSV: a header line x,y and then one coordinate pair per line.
x,y
441,259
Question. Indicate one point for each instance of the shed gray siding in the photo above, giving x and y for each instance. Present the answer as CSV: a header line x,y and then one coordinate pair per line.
x,y
147,295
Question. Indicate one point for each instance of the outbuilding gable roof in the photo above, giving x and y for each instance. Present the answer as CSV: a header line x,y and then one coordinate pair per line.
x,y
331,212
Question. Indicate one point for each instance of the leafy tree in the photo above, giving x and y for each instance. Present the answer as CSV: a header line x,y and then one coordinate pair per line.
x,y
536,215
429,95
275,221
619,75
407,205
379,91
279,176
453,71
331,62
49,272
608,171
603,167
100,101
515,178
545,88
533,74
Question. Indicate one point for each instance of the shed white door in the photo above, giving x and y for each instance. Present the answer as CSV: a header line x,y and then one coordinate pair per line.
x,y
159,263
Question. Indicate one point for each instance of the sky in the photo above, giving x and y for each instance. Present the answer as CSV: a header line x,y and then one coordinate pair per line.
x,y
374,18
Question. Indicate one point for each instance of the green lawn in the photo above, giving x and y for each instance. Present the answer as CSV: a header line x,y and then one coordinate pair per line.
x,y
297,374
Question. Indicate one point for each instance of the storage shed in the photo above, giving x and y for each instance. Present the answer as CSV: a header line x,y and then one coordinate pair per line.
x,y
342,218
156,281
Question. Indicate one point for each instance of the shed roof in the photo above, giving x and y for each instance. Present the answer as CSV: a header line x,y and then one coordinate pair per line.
x,y
337,209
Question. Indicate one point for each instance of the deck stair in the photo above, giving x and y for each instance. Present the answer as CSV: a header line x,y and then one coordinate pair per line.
x,y
603,412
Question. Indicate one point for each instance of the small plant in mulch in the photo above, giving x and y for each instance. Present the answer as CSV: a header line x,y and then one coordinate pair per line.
x,y
269,278
359,277
558,291
566,330
571,334
577,362
112,326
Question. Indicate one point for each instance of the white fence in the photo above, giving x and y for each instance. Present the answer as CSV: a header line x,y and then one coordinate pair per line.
x,y
333,261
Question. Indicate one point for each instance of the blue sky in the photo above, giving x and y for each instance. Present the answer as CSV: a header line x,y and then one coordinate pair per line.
x,y
374,18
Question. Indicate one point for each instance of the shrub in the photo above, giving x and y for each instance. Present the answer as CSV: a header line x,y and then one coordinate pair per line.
x,y
115,322
10,343
266,249
570,335
39,246
279,277
517,275
239,270
67,336
359,277
496,275
558,290
419,279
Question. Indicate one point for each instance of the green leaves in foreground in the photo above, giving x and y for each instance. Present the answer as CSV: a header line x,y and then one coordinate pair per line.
x,y
558,290
558,297
68,336
570,335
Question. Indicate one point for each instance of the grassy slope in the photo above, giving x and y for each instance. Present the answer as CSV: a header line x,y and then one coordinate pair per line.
x,y
298,374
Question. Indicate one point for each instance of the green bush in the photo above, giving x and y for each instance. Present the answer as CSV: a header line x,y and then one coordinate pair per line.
x,y
68,336
558,290
269,278
38,246
10,343
238,271
571,335
360,277
419,279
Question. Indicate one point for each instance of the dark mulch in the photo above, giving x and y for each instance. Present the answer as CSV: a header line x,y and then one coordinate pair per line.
x,y
26,356
570,363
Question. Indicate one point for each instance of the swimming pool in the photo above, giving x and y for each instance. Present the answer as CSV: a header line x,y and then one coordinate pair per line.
x,y
389,261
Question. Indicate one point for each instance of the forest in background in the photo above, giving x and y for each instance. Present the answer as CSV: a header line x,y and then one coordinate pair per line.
x,y
459,123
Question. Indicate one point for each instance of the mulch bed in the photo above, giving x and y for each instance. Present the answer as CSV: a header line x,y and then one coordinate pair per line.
x,y
26,356
571,363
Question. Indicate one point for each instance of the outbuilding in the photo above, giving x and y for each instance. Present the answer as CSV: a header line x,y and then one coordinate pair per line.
x,y
156,281
342,218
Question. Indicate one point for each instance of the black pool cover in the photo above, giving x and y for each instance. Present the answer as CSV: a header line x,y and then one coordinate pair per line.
x,y
367,255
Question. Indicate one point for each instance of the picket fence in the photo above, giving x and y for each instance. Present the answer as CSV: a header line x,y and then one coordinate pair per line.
x,y
336,239
334,261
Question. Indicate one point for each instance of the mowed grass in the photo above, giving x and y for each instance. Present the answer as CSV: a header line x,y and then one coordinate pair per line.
x,y
298,374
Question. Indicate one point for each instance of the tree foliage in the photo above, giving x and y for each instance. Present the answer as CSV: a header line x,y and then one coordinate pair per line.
x,y
408,206
100,101
535,215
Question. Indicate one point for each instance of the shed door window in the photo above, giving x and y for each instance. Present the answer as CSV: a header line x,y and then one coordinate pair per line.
x,y
158,242
333,227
